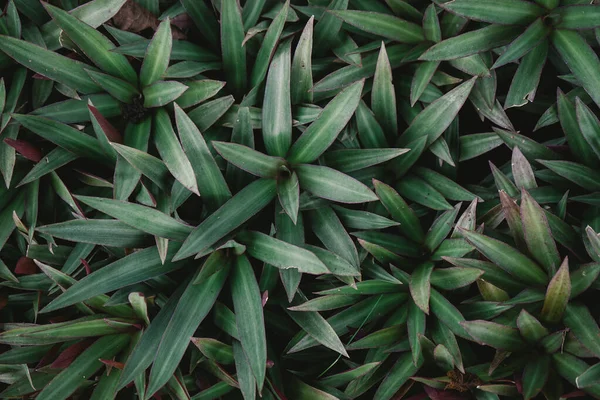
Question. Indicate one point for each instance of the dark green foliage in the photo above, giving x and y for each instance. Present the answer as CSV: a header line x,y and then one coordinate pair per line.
x,y
299,199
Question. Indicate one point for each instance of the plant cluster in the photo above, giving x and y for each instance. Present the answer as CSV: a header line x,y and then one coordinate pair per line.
x,y
299,199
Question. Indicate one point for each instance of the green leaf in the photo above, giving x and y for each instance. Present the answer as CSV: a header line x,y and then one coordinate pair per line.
x,y
93,44
400,211
577,17
419,191
193,306
232,37
268,47
570,124
581,175
85,365
250,160
538,235
495,335
525,82
557,295
530,328
281,254
382,25
148,165
330,231
104,232
529,147
140,217
436,117
581,323
470,43
126,176
383,96
589,126
325,129
431,24
171,151
589,378
440,229
161,93
535,376
446,186
204,19
134,268
245,377
249,317
369,131
214,350
397,376
356,219
209,179
505,12
277,107
348,160
328,27
325,303
421,79
243,206
64,136
288,191
91,326
507,258
570,367
49,64
199,91
526,42
205,115
145,349
330,184
472,146
420,286
581,60
448,314
343,378
156,59
318,328
301,69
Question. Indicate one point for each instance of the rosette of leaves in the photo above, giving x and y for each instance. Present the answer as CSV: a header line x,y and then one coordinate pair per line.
x,y
277,189
537,250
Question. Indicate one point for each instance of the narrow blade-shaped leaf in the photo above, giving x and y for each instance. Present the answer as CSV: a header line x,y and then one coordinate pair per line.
x,y
156,59
230,216
382,25
277,106
325,129
333,185
249,317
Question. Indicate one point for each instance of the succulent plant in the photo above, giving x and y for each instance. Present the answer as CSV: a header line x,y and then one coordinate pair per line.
x,y
320,199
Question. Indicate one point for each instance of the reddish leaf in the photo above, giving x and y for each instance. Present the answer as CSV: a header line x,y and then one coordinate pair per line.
x,y
112,134
3,301
41,77
25,148
182,21
49,356
86,265
112,363
265,297
26,266
69,355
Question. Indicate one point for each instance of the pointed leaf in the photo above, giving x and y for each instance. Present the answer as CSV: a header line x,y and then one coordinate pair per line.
x,y
325,129
243,206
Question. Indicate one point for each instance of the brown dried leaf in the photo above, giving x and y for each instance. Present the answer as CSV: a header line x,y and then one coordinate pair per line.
x,y
133,17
